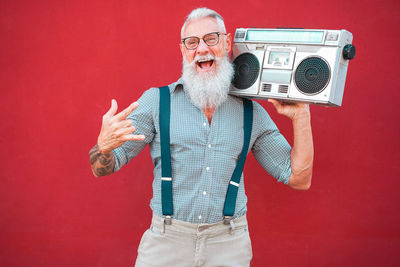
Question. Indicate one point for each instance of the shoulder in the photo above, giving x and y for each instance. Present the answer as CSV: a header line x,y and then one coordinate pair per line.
x,y
155,91
261,118
258,110
149,100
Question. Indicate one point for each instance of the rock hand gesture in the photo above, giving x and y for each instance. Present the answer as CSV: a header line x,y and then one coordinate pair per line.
x,y
115,131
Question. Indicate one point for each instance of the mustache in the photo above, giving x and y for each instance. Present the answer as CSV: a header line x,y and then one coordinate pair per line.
x,y
198,58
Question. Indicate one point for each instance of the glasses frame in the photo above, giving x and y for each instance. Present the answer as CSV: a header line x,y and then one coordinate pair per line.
x,y
202,38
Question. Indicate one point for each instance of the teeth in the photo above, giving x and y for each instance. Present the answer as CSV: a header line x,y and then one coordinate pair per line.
x,y
204,58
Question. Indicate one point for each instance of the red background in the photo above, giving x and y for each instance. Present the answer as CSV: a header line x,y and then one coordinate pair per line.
x,y
61,62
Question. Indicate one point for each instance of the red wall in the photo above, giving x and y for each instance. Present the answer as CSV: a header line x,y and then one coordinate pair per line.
x,y
61,62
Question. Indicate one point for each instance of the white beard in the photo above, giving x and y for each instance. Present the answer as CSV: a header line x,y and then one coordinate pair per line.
x,y
209,89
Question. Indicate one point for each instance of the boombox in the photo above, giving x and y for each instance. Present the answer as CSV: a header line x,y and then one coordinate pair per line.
x,y
292,65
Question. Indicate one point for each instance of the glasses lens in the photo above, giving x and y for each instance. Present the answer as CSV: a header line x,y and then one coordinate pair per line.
x,y
192,42
211,38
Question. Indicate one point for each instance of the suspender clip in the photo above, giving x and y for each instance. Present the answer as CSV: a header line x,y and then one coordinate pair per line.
x,y
168,220
227,220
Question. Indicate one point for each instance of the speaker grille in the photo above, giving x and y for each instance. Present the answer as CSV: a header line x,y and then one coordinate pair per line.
x,y
312,75
247,69
266,87
283,89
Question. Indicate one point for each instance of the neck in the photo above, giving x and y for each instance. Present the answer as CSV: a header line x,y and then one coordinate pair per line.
x,y
209,112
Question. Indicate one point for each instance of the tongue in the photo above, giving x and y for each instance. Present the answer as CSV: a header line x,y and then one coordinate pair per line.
x,y
205,64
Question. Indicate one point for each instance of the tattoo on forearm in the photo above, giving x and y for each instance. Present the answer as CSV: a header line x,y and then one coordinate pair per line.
x,y
94,154
104,160
102,164
101,171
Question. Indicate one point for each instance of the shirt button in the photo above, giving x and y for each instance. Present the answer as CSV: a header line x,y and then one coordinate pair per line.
x,y
207,168
204,193
199,217
204,124
209,145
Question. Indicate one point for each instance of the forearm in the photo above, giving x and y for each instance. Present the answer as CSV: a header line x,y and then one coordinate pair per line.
x,y
102,163
302,154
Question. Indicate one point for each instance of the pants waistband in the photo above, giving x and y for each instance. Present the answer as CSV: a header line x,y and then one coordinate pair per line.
x,y
191,228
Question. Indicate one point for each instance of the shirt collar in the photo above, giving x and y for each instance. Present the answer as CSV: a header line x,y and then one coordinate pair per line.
x,y
177,85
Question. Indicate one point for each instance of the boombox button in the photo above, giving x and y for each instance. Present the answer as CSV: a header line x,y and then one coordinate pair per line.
x,y
332,36
349,51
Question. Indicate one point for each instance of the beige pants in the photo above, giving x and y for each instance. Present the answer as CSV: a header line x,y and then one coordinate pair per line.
x,y
186,244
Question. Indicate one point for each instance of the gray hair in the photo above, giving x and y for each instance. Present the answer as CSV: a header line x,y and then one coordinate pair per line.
x,y
204,12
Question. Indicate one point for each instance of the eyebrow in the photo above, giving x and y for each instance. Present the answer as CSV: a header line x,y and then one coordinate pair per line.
x,y
198,36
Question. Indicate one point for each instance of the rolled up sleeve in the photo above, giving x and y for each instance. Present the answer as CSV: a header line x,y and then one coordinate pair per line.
x,y
142,119
271,149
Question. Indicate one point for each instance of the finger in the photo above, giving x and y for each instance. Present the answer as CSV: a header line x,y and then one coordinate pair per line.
x,y
123,114
125,131
275,102
113,109
133,137
122,124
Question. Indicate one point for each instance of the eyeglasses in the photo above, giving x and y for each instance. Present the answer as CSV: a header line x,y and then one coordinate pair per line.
x,y
209,39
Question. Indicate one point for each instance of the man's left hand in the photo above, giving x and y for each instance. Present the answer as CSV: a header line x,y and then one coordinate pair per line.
x,y
291,110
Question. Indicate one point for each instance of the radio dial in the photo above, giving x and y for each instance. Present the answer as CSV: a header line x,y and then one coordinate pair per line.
x,y
349,51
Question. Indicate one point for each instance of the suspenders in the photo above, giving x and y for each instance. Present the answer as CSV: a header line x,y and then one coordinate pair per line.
x,y
166,172
233,187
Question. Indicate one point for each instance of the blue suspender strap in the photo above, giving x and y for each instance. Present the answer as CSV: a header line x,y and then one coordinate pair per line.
x,y
233,187
166,172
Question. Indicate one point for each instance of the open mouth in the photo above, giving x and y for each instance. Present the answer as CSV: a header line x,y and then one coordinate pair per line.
x,y
205,64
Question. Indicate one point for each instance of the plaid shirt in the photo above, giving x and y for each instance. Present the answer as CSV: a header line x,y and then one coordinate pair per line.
x,y
203,155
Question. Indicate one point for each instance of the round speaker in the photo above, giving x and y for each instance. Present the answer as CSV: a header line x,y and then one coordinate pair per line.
x,y
247,69
312,75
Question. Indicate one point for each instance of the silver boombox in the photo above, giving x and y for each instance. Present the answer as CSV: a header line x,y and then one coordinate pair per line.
x,y
292,65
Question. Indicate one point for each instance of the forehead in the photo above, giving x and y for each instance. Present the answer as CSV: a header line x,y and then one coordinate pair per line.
x,y
199,27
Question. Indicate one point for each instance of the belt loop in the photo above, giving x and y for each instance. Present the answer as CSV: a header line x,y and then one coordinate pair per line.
x,y
167,220
232,228
163,225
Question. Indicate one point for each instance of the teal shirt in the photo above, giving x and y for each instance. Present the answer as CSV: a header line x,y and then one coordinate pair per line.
x,y
203,155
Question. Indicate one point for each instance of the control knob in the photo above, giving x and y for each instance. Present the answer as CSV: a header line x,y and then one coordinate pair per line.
x,y
349,51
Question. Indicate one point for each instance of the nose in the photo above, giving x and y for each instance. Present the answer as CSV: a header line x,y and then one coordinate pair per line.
x,y
202,48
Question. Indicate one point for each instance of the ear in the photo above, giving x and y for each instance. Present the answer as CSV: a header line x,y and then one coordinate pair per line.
x,y
182,49
228,46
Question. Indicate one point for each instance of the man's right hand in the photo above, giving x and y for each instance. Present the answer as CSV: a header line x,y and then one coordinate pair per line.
x,y
116,129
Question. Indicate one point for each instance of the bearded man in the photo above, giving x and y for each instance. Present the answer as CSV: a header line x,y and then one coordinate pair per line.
x,y
206,137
